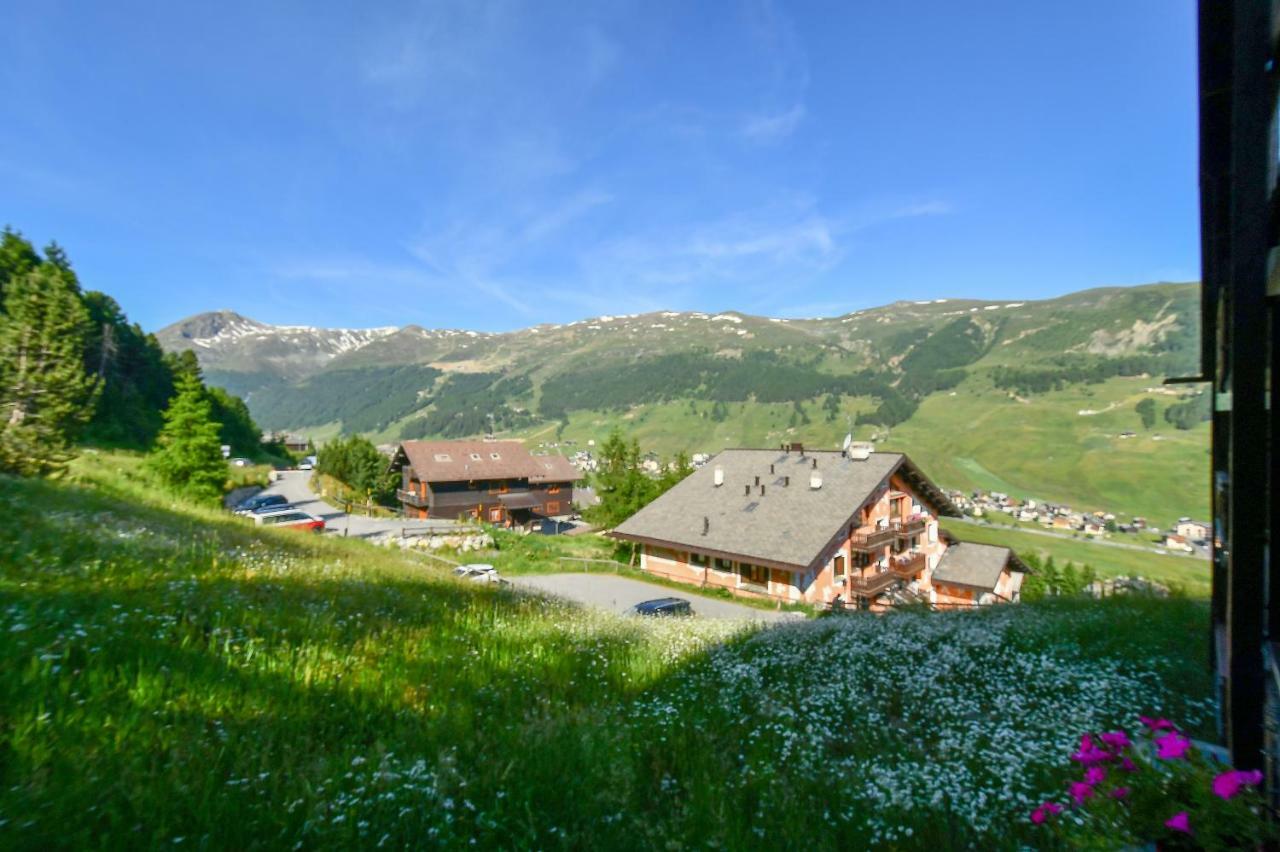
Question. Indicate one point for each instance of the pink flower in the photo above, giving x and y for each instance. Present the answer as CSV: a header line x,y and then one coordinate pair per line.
x,y
1157,724
1173,746
1080,791
1094,775
1089,753
1179,822
1117,740
1119,792
1128,765
1228,784
1042,813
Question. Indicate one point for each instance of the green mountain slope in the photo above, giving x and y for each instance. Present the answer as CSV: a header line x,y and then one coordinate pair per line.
x,y
985,394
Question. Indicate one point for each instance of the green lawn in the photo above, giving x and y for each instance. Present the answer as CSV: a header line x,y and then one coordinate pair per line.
x,y
172,677
1189,573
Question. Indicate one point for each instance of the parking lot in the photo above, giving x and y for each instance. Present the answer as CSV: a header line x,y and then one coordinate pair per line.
x,y
619,594
295,485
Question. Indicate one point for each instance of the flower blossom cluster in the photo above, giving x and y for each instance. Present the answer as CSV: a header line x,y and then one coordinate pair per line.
x,y
1113,764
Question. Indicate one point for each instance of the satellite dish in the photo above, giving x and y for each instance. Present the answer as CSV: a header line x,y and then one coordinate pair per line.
x,y
848,439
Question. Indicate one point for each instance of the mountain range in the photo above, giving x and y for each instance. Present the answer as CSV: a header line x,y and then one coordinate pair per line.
x,y
989,390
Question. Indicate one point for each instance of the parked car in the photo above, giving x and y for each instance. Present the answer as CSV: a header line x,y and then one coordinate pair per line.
x,y
294,519
307,463
261,501
271,509
478,572
663,607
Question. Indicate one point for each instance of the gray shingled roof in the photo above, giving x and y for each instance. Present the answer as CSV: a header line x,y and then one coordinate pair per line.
x,y
789,525
979,565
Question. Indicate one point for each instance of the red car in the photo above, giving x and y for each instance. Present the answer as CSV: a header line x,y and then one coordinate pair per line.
x,y
294,519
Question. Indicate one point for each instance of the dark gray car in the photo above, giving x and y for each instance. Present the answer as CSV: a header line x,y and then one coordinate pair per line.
x,y
663,607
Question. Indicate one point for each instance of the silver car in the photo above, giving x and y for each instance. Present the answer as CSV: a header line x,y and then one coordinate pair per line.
x,y
478,572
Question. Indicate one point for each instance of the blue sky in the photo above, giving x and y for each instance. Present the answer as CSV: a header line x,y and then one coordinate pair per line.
x,y
492,165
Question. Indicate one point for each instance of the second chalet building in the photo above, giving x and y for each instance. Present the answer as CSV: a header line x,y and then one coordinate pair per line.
x,y
498,482
812,527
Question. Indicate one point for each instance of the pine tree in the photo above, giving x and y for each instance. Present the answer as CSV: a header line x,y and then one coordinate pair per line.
x,y
1071,580
189,456
1052,579
1088,576
45,393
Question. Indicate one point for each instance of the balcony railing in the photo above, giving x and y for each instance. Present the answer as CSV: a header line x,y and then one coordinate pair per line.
x,y
900,570
913,525
411,498
873,539
909,565
874,584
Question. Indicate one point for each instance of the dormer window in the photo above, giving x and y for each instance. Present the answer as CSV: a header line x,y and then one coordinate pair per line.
x,y
442,457
495,456
475,457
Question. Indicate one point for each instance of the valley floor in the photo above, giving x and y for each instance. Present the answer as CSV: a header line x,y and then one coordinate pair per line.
x,y
171,677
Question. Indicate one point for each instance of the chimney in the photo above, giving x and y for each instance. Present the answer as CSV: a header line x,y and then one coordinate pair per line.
x,y
770,468
757,480
761,490
706,525
815,480
786,480
718,476
747,492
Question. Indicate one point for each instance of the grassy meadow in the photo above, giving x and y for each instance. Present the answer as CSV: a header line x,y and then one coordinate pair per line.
x,y
171,677
978,437
1188,573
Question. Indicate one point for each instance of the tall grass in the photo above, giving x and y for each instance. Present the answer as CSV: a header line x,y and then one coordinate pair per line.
x,y
170,676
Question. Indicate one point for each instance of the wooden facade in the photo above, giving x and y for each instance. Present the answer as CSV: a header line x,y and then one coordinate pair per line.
x,y
495,482
507,501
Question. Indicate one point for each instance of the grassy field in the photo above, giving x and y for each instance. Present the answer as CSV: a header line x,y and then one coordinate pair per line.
x,y
979,437
1189,573
172,677
1045,449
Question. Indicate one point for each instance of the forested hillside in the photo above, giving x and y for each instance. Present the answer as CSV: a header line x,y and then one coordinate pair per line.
x,y
74,370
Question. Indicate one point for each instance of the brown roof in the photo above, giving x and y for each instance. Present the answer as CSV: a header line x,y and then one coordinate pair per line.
x,y
554,469
463,461
790,525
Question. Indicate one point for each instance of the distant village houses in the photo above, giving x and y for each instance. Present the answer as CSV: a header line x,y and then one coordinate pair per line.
x,y
1197,531
498,482
292,443
856,528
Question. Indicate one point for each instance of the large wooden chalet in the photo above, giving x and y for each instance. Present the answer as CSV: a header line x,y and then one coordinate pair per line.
x,y
855,528
498,482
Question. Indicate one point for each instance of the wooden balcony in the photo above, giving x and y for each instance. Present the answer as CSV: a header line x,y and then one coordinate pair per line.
x,y
873,540
902,569
913,525
874,584
411,498
908,565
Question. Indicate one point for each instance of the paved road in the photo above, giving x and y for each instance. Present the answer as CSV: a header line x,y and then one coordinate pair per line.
x,y
619,594
295,485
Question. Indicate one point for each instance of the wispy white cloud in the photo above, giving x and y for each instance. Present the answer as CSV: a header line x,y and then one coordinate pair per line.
x,y
769,127
787,74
